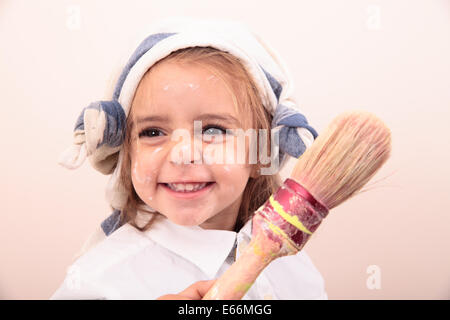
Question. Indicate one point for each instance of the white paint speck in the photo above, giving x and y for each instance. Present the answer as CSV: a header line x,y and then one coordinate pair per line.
x,y
144,180
193,86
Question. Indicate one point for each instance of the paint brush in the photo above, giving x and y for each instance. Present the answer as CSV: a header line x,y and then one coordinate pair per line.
x,y
337,165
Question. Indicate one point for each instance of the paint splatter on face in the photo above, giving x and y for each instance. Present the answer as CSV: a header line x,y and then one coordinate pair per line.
x,y
168,100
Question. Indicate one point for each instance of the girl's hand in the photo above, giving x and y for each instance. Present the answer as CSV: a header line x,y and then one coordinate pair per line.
x,y
195,291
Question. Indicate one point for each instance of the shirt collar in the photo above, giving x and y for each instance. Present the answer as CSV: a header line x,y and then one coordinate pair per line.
x,y
207,249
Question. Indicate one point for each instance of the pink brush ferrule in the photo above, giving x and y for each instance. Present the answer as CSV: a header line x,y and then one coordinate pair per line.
x,y
293,213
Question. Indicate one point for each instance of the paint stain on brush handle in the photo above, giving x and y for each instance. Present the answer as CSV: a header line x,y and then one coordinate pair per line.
x,y
292,213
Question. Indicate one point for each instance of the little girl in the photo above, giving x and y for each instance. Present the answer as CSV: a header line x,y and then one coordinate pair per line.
x,y
190,94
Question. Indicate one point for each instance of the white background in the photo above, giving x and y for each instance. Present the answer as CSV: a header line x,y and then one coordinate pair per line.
x,y
388,57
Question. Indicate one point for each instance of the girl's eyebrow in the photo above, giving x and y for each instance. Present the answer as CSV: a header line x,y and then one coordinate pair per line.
x,y
206,116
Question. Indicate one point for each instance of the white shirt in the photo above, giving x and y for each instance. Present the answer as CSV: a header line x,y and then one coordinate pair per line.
x,y
167,258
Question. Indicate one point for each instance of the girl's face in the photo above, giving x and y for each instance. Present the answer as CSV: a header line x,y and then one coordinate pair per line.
x,y
171,97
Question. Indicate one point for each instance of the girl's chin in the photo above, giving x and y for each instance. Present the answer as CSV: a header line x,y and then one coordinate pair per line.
x,y
186,221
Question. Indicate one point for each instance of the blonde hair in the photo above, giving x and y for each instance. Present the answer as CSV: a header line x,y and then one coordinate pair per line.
x,y
247,101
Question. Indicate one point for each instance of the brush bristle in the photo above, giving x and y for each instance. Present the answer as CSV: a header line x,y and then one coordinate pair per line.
x,y
344,157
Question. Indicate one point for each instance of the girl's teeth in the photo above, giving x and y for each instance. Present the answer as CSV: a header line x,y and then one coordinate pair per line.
x,y
186,187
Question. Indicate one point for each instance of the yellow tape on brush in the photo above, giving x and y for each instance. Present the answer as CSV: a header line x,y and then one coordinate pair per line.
x,y
286,216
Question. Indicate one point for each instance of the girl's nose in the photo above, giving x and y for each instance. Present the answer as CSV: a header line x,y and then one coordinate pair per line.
x,y
188,150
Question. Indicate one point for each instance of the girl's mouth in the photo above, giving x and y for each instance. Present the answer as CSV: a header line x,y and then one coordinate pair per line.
x,y
187,191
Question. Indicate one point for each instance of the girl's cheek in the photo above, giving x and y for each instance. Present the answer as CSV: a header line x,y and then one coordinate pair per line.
x,y
140,175
144,166
232,178
222,153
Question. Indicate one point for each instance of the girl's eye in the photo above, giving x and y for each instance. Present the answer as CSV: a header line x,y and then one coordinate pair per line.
x,y
152,132
210,130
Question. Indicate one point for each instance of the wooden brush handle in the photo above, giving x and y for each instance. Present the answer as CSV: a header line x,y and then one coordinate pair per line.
x,y
240,276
